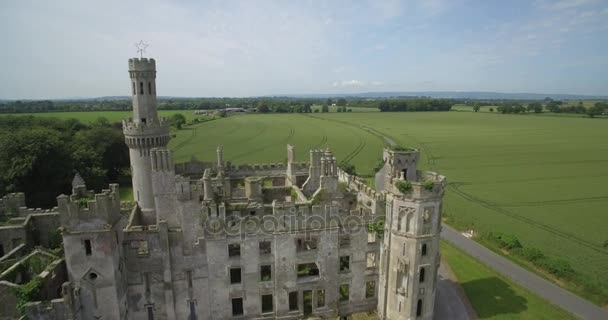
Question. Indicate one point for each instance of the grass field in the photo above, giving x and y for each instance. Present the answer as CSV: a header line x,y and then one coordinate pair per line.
x,y
541,179
494,296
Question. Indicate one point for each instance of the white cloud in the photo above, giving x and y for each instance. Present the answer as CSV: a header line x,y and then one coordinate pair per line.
x,y
356,84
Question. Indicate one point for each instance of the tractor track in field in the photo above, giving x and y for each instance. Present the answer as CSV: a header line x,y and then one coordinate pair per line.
x,y
362,142
546,202
320,144
292,132
185,142
355,152
455,187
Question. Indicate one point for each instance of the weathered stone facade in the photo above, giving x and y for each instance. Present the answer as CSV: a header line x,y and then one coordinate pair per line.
x,y
219,241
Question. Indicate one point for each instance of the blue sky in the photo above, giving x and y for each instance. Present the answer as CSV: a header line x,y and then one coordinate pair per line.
x,y
55,49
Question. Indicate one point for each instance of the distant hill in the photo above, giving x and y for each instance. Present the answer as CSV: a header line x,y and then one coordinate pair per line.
x,y
432,94
459,95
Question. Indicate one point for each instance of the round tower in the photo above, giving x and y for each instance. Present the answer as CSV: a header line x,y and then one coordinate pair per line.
x,y
145,130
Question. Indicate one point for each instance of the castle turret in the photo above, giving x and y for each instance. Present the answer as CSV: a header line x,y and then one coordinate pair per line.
x,y
145,130
410,250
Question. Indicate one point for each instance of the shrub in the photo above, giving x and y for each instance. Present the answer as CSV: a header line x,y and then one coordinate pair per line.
x,y
27,292
531,254
377,227
348,168
505,241
557,267
379,165
429,185
404,186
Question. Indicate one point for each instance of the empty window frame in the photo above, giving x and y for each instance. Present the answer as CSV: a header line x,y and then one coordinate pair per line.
x,y
320,298
234,250
371,237
293,301
308,270
87,247
344,292
423,250
235,275
306,244
265,247
344,263
267,303
265,273
237,306
370,289
370,258
422,274
344,240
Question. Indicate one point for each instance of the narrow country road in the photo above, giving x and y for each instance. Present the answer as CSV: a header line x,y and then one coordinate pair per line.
x,y
545,289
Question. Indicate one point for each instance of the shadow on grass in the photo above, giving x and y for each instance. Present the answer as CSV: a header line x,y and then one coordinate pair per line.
x,y
492,296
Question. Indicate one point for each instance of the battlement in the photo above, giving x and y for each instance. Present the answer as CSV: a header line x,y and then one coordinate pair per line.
x,y
428,185
12,203
265,166
160,127
142,64
359,184
85,214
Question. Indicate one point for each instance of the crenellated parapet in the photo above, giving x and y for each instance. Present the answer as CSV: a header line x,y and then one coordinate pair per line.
x,y
86,214
428,186
142,65
132,128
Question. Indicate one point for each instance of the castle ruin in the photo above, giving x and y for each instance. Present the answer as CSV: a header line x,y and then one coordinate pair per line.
x,y
219,241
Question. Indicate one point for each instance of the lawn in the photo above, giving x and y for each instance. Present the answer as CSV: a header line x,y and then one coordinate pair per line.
x,y
539,178
494,296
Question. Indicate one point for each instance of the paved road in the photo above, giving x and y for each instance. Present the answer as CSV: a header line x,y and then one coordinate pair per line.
x,y
451,303
554,294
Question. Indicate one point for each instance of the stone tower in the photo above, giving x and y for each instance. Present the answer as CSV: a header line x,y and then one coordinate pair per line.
x,y
144,131
410,250
92,235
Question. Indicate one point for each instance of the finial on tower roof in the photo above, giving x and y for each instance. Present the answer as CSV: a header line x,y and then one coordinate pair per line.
x,y
141,48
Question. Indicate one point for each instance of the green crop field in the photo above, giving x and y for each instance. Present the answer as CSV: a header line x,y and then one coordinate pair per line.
x,y
540,178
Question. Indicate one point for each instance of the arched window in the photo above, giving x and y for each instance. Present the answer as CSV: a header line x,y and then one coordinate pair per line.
x,y
149,88
134,90
141,88
423,249
409,226
422,270
419,308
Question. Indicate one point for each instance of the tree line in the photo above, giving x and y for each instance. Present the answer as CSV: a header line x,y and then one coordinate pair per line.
x,y
597,109
40,156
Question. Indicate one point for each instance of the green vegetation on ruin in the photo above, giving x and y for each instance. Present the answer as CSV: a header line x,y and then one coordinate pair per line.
x,y
494,296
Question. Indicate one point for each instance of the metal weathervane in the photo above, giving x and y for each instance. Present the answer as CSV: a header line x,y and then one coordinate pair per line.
x,y
141,48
